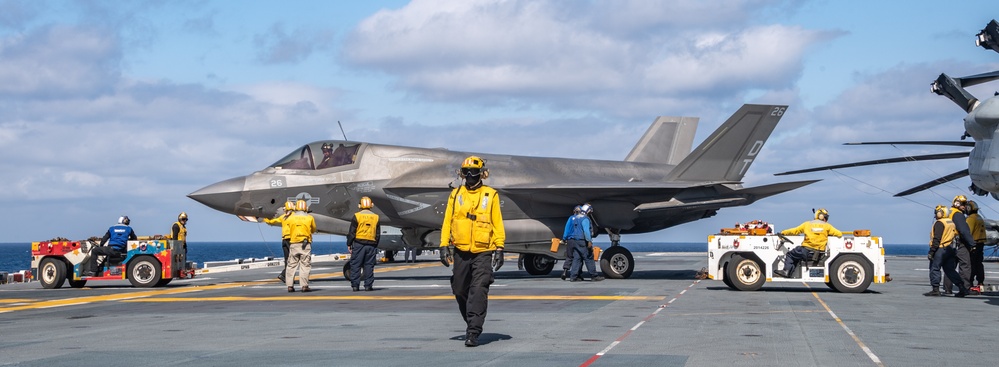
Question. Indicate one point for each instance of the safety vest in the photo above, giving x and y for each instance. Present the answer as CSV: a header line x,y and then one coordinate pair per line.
x,y
181,233
301,226
577,231
977,225
949,232
367,224
119,235
475,224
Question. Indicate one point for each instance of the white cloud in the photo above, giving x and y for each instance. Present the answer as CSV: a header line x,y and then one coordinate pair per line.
x,y
58,61
558,54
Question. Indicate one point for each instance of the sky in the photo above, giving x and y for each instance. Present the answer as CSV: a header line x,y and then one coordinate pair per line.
x,y
112,108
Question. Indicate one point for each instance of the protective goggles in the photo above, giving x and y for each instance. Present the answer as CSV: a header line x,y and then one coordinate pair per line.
x,y
467,172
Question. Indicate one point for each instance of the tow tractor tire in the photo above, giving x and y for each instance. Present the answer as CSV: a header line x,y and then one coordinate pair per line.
x,y
52,273
617,263
346,271
538,264
851,274
745,274
144,272
728,280
77,283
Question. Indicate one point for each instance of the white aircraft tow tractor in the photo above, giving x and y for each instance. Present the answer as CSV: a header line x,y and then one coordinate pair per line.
x,y
747,260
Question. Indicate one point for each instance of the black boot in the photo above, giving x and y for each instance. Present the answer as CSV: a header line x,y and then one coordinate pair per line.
x,y
934,293
471,340
565,273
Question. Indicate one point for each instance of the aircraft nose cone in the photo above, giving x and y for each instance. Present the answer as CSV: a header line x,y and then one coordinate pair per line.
x,y
222,196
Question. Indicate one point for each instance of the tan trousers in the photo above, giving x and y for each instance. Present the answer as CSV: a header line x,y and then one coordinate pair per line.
x,y
298,259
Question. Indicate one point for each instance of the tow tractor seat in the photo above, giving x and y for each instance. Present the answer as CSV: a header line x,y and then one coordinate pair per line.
x,y
818,258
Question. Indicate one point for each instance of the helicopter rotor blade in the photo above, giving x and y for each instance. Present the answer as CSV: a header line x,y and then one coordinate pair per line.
x,y
913,158
934,183
976,79
925,142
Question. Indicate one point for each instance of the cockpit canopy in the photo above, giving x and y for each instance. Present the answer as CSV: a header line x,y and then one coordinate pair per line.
x,y
320,155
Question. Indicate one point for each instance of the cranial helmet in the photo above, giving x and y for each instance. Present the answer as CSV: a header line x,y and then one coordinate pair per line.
x,y
289,206
577,210
940,211
586,208
960,200
365,203
182,216
473,166
972,206
124,220
822,214
301,205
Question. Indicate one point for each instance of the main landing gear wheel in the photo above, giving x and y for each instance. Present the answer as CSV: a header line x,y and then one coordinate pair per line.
x,y
617,263
745,274
52,273
538,264
851,274
144,272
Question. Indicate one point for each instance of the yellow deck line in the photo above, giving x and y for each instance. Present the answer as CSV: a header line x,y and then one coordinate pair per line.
x,y
393,298
167,291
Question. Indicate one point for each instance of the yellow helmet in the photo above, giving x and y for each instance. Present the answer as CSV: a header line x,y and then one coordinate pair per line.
x,y
182,216
972,206
473,166
473,162
301,205
822,214
960,200
289,206
940,211
365,203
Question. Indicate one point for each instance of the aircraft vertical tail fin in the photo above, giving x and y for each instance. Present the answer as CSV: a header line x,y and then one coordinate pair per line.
x,y
668,141
727,154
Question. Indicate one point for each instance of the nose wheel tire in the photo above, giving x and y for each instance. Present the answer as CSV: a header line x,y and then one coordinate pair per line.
x,y
538,264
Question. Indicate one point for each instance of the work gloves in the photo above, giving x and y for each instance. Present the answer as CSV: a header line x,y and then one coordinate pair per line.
x,y
497,259
447,255
931,254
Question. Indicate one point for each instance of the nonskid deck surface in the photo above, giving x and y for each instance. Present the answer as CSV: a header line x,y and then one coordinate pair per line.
x,y
661,316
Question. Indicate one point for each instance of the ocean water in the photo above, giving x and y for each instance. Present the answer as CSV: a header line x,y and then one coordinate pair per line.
x,y
17,256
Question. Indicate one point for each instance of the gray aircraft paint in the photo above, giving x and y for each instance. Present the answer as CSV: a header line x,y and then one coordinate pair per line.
x,y
410,186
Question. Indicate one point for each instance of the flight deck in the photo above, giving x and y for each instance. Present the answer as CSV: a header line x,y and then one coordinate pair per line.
x,y
661,316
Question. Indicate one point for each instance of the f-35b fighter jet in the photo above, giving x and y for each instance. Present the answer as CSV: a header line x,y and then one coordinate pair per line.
x,y
662,183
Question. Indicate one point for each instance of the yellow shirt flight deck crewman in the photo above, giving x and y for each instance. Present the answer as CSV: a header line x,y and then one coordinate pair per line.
x,y
301,226
289,207
472,235
816,233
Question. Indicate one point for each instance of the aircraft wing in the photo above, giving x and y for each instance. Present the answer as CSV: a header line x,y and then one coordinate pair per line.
x,y
733,197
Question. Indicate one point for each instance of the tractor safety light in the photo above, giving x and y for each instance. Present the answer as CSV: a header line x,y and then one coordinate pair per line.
x,y
735,243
